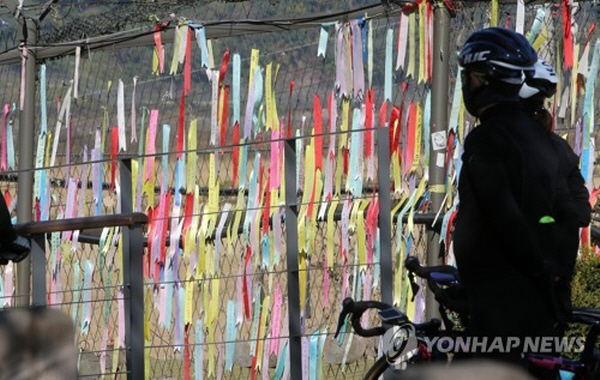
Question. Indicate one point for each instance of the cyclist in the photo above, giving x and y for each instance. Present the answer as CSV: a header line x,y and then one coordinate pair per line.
x,y
507,192
576,212
13,247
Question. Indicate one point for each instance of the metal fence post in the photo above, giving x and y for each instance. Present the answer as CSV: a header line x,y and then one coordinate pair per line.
x,y
29,28
293,282
133,281
385,220
38,272
439,121
385,217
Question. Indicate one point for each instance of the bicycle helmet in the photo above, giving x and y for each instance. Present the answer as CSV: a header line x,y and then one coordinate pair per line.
x,y
500,57
498,53
541,83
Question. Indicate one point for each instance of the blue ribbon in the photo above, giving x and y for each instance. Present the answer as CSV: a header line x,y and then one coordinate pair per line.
x,y
426,128
314,355
231,334
281,363
266,251
198,353
236,87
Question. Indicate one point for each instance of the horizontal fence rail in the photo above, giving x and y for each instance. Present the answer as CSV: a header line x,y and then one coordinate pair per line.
x,y
169,228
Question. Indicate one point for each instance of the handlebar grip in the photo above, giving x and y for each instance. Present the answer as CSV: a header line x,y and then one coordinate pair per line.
x,y
347,308
356,310
411,263
373,331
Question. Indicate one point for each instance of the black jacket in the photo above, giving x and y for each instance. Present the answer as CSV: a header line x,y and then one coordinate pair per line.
x,y
574,209
509,190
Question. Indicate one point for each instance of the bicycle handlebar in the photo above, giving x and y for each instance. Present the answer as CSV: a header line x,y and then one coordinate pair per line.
x,y
357,308
412,264
437,276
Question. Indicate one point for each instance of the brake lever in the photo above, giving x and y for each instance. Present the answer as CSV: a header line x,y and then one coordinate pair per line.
x,y
347,309
413,285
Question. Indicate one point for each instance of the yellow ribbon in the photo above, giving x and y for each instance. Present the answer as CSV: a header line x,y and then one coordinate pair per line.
x,y
494,18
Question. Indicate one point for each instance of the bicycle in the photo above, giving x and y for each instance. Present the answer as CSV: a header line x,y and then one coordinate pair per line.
x,y
391,316
445,284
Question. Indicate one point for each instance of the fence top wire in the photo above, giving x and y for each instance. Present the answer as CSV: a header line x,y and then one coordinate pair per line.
x,y
93,24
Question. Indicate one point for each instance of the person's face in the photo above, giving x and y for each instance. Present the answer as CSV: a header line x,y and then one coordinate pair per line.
x,y
471,83
472,80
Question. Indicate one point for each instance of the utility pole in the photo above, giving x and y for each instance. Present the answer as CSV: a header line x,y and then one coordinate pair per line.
x,y
439,121
28,37
28,34
29,27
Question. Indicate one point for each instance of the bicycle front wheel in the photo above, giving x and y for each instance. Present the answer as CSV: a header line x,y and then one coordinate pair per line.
x,y
377,369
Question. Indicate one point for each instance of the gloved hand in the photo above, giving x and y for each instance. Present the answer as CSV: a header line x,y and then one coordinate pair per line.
x,y
15,250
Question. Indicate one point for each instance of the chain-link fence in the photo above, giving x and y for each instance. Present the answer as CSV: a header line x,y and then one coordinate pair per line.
x,y
208,167
564,34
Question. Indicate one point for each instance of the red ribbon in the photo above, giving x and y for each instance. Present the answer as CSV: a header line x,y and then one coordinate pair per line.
x,y
508,17
224,116
398,112
266,211
181,125
38,211
224,65
394,127
450,224
254,364
567,37
590,30
318,116
383,113
7,197
3,148
585,236
409,152
159,47
450,5
187,64
245,295
261,180
188,212
372,216
594,197
411,7
166,198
